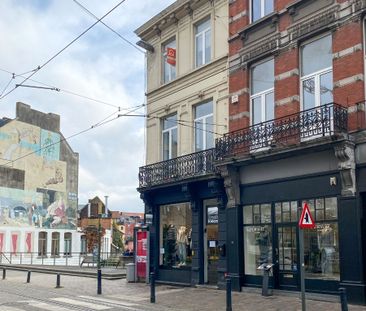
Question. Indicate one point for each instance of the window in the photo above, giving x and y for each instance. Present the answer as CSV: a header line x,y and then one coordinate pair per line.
x,y
203,126
42,244
176,235
321,248
316,73
67,247
169,59
170,137
261,8
83,248
262,90
203,42
55,248
257,237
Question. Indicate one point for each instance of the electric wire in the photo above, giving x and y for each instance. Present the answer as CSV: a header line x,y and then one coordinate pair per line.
x,y
94,126
63,49
110,28
71,92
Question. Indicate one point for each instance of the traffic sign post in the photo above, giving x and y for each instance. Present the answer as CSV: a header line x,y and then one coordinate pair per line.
x,y
306,222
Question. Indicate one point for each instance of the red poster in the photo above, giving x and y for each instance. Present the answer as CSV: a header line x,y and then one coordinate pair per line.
x,y
171,56
141,253
28,242
1,241
14,240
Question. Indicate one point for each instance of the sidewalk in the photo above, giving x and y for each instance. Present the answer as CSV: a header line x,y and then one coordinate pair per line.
x,y
206,299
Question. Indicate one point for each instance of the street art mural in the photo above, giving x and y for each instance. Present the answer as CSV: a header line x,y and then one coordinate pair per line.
x,y
44,202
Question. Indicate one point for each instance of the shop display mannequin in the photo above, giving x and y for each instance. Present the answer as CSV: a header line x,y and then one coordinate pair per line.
x,y
182,241
171,241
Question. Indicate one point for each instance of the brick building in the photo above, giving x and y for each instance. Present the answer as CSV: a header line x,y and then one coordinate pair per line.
x,y
296,135
297,120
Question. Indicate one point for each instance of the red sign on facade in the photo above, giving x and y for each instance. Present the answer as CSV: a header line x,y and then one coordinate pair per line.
x,y
171,56
141,253
306,220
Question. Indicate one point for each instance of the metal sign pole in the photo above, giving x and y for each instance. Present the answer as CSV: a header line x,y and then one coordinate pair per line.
x,y
302,268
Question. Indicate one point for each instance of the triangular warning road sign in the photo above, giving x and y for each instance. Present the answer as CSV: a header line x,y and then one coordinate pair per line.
x,y
306,220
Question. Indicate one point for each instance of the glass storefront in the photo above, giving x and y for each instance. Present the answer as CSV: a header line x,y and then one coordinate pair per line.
x,y
257,237
321,247
176,235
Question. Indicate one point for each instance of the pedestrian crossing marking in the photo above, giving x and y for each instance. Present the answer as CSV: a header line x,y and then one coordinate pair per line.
x,y
12,309
120,303
92,306
46,306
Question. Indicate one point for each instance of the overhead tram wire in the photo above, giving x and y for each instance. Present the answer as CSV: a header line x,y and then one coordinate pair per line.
x,y
73,93
96,125
110,28
63,49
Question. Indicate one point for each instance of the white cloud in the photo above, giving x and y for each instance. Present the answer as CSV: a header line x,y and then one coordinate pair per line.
x,y
99,65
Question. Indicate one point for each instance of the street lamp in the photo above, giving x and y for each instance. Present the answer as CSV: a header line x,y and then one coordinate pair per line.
x,y
99,290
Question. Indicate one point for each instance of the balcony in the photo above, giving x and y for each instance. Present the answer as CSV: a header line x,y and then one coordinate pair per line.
x,y
308,125
177,169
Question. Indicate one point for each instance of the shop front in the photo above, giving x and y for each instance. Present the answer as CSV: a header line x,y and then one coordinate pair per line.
x,y
184,235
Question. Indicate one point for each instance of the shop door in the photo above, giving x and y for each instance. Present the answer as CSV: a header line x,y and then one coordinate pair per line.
x,y
286,252
212,248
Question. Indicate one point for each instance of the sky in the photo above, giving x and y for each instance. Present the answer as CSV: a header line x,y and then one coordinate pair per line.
x,y
100,65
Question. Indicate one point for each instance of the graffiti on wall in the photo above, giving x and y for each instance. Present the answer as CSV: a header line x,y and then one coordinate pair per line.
x,y
50,145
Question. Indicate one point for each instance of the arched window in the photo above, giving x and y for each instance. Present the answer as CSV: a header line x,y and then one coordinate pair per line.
x,y
55,248
42,244
67,239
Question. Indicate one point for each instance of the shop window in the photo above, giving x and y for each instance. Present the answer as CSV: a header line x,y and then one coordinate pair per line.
x,y
169,61
67,245
203,126
42,244
176,235
317,73
170,137
286,212
261,8
203,42
55,247
321,248
257,237
262,92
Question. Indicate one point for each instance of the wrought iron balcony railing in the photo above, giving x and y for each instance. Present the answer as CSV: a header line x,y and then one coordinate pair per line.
x,y
326,120
180,168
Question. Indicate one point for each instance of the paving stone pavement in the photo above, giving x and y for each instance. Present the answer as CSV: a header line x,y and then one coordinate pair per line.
x,y
42,286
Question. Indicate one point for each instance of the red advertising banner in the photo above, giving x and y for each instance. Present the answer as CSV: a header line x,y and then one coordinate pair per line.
x,y
14,240
1,241
171,56
141,253
28,242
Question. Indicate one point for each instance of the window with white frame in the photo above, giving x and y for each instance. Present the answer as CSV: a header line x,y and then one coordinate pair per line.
x,y
317,73
169,61
203,126
67,244
42,244
203,42
261,8
262,92
170,137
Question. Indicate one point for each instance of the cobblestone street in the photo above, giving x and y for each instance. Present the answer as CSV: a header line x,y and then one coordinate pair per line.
x,y
79,293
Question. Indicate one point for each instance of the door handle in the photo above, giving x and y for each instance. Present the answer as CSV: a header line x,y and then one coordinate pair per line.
x,y
276,251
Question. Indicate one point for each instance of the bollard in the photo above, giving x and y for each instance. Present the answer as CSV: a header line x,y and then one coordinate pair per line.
x,y
228,294
58,280
343,296
28,276
99,282
152,287
4,273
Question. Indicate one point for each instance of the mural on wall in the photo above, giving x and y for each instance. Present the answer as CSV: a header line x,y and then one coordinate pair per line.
x,y
50,144
43,209
45,201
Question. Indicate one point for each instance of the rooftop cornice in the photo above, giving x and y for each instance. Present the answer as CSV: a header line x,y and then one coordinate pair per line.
x,y
169,16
